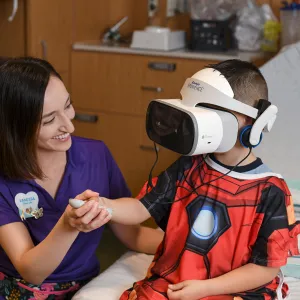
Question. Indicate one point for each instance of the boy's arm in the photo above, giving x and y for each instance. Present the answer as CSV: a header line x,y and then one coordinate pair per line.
x,y
245,278
242,279
127,211
138,238
135,237
157,202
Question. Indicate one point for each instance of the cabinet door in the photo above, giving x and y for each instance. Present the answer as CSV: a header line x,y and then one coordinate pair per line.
x,y
126,138
127,83
49,31
12,34
106,81
65,77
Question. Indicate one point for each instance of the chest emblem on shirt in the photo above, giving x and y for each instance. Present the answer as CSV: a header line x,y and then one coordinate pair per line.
x,y
208,219
28,205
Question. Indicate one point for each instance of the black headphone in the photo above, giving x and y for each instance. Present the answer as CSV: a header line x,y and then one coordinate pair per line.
x,y
246,131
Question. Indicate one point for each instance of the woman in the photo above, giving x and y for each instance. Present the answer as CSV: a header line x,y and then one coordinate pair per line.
x,y
47,248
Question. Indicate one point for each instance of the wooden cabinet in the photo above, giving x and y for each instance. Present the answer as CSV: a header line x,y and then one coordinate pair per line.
x,y
41,29
49,31
106,82
166,84
12,34
124,83
111,93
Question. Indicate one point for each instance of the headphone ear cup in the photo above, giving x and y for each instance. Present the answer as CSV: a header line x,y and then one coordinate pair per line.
x,y
245,136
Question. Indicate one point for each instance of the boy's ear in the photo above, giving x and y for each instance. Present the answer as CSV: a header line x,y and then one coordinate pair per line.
x,y
245,121
249,120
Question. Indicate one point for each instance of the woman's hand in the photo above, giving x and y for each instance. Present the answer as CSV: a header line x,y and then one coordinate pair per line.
x,y
89,216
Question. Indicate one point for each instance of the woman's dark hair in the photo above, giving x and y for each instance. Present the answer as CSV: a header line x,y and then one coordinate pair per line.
x,y
23,82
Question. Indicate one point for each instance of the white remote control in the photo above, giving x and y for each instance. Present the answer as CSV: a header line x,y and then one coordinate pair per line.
x,y
76,203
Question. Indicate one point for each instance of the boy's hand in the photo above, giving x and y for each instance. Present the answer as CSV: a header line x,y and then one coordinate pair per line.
x,y
188,290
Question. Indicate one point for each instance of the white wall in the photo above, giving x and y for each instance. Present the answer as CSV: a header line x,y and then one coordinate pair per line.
x,y
280,148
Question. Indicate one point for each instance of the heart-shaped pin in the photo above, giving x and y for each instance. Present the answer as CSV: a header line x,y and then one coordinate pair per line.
x,y
27,203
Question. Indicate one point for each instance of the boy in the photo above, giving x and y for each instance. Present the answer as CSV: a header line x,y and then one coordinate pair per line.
x,y
229,236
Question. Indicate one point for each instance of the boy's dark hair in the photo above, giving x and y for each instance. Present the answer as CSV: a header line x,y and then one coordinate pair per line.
x,y
245,79
23,82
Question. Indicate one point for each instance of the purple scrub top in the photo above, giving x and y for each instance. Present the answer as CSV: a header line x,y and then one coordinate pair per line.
x,y
90,165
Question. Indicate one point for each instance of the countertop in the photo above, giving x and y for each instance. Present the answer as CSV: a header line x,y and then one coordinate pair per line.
x,y
97,46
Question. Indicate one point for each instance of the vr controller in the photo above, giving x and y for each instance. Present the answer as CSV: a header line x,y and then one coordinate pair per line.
x,y
76,203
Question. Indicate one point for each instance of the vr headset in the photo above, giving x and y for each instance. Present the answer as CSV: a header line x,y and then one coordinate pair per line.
x,y
202,122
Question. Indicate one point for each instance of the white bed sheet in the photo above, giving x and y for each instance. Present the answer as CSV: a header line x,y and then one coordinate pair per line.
x,y
110,284
132,267
294,285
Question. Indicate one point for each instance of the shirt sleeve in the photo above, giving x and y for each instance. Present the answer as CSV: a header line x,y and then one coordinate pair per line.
x,y
8,213
277,236
117,184
159,197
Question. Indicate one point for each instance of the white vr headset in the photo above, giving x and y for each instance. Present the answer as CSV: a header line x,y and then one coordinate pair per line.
x,y
201,123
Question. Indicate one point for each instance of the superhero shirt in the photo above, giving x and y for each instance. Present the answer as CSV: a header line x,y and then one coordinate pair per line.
x,y
217,220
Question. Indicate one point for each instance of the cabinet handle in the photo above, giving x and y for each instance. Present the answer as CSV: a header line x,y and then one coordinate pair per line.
x,y
149,148
14,11
161,66
152,88
86,118
44,49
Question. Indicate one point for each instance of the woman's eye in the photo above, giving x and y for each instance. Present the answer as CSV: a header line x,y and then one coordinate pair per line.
x,y
69,105
49,122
